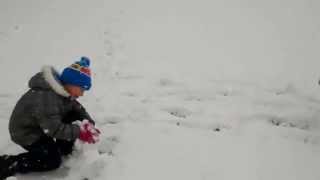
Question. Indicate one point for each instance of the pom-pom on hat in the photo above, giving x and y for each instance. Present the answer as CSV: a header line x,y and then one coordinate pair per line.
x,y
78,74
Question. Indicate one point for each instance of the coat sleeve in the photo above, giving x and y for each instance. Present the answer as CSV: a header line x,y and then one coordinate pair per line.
x,y
49,117
81,111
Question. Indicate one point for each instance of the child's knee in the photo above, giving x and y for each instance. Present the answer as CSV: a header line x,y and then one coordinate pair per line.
x,y
53,163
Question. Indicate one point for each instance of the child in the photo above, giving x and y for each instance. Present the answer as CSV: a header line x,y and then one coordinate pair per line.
x,y
42,120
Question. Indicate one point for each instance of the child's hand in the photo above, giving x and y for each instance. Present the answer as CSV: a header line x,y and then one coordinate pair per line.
x,y
88,133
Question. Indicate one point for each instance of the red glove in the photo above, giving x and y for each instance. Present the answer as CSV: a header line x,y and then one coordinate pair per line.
x,y
88,133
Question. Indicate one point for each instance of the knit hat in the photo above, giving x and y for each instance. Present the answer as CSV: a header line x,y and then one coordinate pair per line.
x,y
78,74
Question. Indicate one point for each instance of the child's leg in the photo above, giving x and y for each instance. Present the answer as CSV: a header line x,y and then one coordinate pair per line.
x,y
43,155
65,147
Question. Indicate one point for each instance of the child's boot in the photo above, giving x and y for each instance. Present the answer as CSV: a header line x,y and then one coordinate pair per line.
x,y
7,166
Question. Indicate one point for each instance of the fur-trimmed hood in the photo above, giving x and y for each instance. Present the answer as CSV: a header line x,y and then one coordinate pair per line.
x,y
48,79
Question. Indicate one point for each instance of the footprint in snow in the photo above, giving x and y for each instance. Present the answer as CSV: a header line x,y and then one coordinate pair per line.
x,y
179,112
276,121
107,145
112,120
166,82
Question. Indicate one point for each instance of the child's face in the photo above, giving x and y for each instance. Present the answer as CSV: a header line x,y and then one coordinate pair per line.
x,y
74,91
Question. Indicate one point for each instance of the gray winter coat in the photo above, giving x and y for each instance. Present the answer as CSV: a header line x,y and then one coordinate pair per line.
x,y
40,111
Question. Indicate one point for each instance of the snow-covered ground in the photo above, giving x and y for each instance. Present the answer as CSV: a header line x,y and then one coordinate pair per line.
x,y
203,89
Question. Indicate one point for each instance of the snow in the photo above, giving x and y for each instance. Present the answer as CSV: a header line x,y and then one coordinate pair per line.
x,y
46,131
221,89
